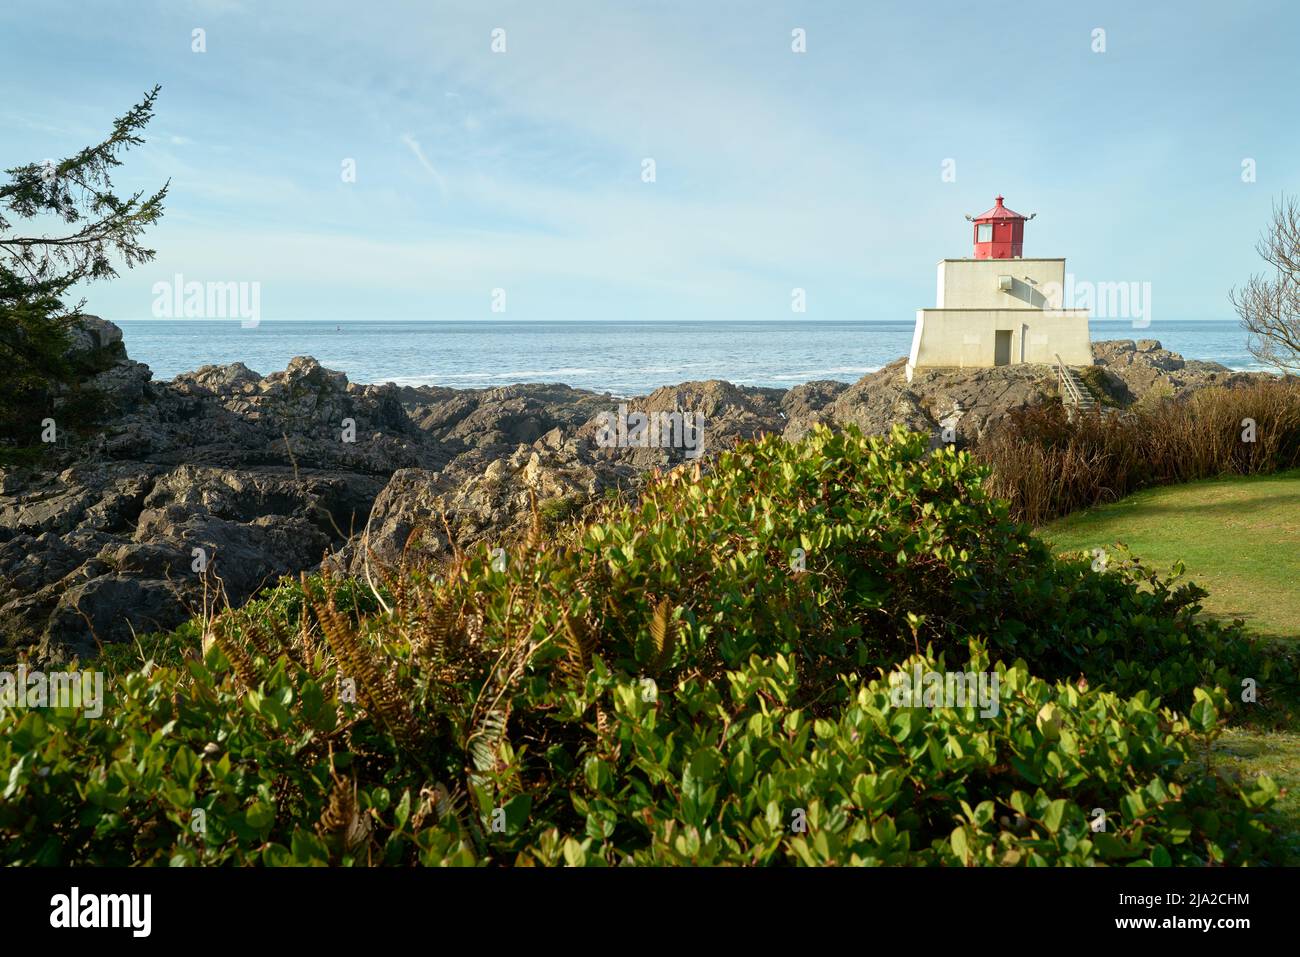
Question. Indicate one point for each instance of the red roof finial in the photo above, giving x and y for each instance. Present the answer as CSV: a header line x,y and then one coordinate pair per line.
x,y
998,200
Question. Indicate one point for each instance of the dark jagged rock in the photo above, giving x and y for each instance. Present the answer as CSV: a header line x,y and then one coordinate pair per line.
x,y
256,476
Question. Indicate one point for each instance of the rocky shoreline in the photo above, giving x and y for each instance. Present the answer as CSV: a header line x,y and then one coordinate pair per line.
x,y
223,480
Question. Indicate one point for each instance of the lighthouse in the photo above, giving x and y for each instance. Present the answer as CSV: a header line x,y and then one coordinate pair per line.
x,y
998,308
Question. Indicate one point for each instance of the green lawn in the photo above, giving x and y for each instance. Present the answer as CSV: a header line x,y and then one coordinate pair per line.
x,y
1239,539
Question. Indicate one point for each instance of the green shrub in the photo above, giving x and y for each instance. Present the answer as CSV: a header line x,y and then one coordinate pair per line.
x,y
725,774
674,683
713,771
1100,386
557,512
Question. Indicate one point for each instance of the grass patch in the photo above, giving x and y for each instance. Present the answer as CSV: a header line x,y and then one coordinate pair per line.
x,y
1239,538
1244,754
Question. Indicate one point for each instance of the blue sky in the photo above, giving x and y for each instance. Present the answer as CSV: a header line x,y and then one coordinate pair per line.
x,y
774,170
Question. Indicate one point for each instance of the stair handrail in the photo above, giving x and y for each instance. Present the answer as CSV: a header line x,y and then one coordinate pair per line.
x,y
1064,377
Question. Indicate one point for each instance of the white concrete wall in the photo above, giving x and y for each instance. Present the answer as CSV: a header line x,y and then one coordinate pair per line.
x,y
965,338
918,334
973,283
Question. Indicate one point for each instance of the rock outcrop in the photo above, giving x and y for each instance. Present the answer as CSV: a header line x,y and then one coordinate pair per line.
x,y
968,401
1135,369
208,487
202,489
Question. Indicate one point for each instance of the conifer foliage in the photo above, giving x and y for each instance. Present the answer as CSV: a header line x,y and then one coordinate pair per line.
x,y
62,222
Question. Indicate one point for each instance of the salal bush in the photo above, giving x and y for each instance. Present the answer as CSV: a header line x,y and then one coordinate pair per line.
x,y
700,677
712,771
733,772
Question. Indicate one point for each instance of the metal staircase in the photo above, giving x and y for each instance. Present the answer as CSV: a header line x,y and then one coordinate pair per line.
x,y
1072,389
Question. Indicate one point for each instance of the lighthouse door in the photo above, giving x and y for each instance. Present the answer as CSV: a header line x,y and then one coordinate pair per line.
x,y
1002,347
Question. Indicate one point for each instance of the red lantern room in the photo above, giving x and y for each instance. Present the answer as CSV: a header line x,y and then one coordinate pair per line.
x,y
999,233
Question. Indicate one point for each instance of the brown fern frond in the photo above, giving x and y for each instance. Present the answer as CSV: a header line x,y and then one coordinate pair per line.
x,y
414,537
407,567
663,635
576,641
484,744
342,818
533,543
286,643
439,628
475,623
254,634
359,661
340,809
243,665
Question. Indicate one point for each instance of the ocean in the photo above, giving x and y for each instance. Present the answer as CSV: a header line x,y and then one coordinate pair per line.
x,y
624,358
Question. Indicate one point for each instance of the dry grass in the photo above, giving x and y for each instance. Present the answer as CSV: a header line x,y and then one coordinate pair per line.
x,y
1048,465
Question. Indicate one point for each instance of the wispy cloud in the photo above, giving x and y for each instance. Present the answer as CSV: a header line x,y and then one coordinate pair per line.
x,y
414,146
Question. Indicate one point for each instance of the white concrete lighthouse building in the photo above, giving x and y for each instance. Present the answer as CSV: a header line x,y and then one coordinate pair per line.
x,y
999,308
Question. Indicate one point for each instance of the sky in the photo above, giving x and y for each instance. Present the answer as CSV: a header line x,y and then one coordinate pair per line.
x,y
516,180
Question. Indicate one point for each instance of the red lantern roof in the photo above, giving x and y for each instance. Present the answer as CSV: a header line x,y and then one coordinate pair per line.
x,y
999,233
998,212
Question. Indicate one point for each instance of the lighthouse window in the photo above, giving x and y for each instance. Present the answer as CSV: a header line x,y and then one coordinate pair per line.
x,y
984,233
